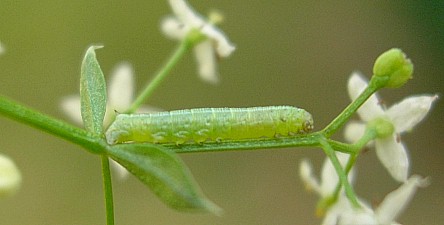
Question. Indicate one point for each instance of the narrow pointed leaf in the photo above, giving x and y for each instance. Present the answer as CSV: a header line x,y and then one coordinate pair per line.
x,y
92,93
164,173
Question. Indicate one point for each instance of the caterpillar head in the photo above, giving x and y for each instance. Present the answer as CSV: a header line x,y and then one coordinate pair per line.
x,y
302,123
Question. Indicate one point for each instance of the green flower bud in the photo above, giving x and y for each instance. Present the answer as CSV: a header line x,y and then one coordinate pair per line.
x,y
383,127
394,65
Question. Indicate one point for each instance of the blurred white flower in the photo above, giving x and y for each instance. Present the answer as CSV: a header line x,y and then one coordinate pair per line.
x,y
404,116
120,97
2,49
329,178
343,213
186,20
10,177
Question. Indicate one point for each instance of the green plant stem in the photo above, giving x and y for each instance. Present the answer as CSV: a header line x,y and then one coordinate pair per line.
x,y
330,152
356,148
108,190
342,147
345,115
310,140
161,75
50,125
351,161
96,144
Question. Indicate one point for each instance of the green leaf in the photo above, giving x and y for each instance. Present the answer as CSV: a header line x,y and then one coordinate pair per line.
x,y
92,93
164,173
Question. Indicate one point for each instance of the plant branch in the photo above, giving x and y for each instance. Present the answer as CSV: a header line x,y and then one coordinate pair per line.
x,y
161,75
50,125
330,152
345,115
309,140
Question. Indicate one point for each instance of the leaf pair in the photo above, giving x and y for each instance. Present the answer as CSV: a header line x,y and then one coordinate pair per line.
x,y
164,173
161,170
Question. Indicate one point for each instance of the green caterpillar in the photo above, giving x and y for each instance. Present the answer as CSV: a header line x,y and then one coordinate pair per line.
x,y
214,124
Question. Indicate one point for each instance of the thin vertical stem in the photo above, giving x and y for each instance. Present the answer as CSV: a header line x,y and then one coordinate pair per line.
x,y
157,80
330,152
108,190
357,147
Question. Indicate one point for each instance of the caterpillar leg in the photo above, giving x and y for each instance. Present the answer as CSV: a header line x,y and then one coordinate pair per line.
x,y
159,137
182,137
201,136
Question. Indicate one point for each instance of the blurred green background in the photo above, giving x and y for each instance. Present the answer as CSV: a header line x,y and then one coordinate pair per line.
x,y
288,52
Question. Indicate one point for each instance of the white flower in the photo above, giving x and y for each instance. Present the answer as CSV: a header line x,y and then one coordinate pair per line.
x,y
329,178
404,116
10,177
342,213
185,20
120,97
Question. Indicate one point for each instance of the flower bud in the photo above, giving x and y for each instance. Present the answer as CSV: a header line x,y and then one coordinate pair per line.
x,y
394,65
10,177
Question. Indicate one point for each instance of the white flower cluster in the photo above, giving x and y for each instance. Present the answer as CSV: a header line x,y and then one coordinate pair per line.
x,y
404,116
186,20
390,151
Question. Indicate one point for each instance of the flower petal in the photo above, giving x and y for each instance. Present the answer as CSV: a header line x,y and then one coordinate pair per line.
x,y
173,28
121,88
356,84
393,156
396,201
343,213
306,173
354,217
223,46
329,177
191,19
337,211
409,112
71,106
354,131
186,14
371,108
206,61
331,217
